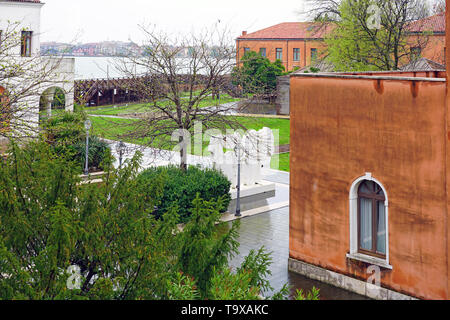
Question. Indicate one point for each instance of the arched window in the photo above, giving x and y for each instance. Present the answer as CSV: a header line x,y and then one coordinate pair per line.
x,y
371,219
369,222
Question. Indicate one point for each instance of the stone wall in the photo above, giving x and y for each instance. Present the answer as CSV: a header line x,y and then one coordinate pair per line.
x,y
344,282
283,91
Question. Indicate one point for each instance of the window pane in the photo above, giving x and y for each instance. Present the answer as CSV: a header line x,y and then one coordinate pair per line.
x,y
313,53
381,228
366,187
28,49
366,223
296,54
262,51
279,53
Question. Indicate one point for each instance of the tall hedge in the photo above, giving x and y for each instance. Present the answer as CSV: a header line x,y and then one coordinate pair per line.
x,y
181,188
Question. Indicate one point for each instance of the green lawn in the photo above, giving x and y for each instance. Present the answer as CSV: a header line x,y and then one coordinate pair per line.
x,y
280,127
112,128
283,162
142,107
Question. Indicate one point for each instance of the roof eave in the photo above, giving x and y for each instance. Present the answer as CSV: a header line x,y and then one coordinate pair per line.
x,y
277,39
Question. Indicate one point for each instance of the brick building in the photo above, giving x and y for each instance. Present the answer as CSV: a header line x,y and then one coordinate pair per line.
x,y
298,44
433,46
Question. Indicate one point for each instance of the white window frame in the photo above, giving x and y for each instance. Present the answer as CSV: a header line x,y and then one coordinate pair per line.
x,y
353,208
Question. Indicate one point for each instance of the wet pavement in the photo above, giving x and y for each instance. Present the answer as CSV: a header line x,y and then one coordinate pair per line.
x,y
271,230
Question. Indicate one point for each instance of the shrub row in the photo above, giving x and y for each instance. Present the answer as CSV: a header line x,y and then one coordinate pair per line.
x,y
181,188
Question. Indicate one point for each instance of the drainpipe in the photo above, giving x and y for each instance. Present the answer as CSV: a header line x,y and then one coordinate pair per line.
x,y
304,52
238,60
287,55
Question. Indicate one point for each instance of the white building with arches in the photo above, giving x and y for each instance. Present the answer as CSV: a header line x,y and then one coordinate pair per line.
x,y
28,80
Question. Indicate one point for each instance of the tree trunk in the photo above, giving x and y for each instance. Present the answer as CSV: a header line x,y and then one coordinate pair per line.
x,y
183,154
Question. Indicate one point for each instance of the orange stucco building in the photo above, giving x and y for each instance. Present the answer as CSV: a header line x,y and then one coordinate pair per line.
x,y
370,176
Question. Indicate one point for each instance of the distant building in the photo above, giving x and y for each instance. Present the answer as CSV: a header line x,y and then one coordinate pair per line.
x,y
24,17
295,44
301,44
96,49
433,47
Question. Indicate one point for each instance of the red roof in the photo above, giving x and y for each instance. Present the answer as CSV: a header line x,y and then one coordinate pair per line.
x,y
311,30
434,23
288,30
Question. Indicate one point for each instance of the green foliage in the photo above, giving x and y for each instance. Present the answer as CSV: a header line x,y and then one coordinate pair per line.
x,y
357,44
256,264
99,152
59,99
257,75
226,285
181,188
78,108
66,132
64,128
49,221
182,288
204,249
349,46
249,282
314,294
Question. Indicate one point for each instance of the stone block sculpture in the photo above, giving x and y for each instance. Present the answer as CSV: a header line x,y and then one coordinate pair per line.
x,y
254,149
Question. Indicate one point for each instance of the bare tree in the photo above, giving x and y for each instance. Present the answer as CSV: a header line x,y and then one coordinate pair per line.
x,y
438,6
174,78
24,76
322,10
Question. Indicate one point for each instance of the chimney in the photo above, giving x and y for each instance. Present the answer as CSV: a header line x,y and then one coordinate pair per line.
x,y
244,33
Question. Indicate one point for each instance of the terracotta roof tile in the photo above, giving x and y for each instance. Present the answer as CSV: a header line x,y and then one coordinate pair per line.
x,y
311,30
434,23
288,30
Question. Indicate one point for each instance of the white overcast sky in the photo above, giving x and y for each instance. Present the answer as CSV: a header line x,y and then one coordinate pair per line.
x,y
99,20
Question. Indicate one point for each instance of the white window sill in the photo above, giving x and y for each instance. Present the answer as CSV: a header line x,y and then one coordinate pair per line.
x,y
369,259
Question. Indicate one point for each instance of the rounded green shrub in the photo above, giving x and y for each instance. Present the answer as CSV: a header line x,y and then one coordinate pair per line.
x,y
66,133
181,188
99,151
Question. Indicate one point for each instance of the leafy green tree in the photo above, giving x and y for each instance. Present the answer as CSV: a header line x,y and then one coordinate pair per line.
x,y
50,221
66,133
373,34
203,248
257,75
61,238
